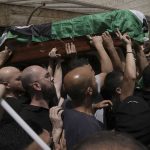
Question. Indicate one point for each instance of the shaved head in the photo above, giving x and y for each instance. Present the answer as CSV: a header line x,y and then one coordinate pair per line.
x,y
30,74
107,140
37,80
6,73
78,80
10,77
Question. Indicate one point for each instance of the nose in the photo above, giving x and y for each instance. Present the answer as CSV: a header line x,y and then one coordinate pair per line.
x,y
93,72
52,79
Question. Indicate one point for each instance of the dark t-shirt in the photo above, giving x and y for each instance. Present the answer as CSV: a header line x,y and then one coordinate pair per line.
x,y
144,94
13,137
132,116
16,104
38,115
78,125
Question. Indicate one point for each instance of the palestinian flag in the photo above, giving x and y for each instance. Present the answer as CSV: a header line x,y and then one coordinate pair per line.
x,y
130,21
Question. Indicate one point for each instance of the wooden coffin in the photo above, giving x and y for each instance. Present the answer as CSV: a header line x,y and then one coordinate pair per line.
x,y
25,52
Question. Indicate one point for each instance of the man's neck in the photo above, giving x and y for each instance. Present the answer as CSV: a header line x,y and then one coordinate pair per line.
x,y
39,102
84,109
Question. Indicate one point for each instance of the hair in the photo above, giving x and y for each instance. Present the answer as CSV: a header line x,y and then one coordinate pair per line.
x,y
112,81
77,62
146,77
106,140
76,94
13,137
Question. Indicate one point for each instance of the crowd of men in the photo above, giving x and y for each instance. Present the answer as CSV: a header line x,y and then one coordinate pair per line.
x,y
74,108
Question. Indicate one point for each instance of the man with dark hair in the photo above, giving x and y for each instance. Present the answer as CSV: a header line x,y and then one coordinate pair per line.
x,y
39,84
130,113
77,62
111,90
112,84
110,140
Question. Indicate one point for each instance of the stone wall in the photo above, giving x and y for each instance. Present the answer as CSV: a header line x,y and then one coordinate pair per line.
x,y
18,15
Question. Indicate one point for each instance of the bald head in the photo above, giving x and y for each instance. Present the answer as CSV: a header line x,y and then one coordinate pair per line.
x,y
30,75
10,77
78,80
107,140
6,73
37,81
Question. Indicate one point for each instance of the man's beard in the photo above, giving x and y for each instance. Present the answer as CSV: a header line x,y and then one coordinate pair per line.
x,y
49,94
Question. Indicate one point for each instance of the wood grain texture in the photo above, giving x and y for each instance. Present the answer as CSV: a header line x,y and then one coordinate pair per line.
x,y
23,52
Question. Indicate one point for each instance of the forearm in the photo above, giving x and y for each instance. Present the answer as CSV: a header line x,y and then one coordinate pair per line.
x,y
58,79
50,67
4,55
56,133
105,62
129,78
117,64
130,68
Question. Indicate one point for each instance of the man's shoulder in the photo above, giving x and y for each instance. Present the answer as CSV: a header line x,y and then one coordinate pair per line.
x,y
133,105
74,114
33,108
30,110
79,126
134,100
79,118
14,103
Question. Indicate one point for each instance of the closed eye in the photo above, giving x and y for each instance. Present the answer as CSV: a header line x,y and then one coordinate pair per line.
x,y
47,75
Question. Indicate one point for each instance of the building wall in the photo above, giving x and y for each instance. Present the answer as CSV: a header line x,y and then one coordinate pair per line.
x,y
18,15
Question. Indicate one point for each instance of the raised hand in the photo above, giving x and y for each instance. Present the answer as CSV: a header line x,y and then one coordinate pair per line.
x,y
55,117
102,104
97,40
70,48
53,53
57,123
125,37
4,55
107,40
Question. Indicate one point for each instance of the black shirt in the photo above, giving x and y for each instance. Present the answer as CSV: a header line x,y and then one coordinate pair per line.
x,y
144,94
132,116
16,104
78,125
13,137
38,115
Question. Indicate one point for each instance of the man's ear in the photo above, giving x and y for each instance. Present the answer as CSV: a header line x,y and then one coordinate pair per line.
x,y
89,91
7,85
118,90
36,86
